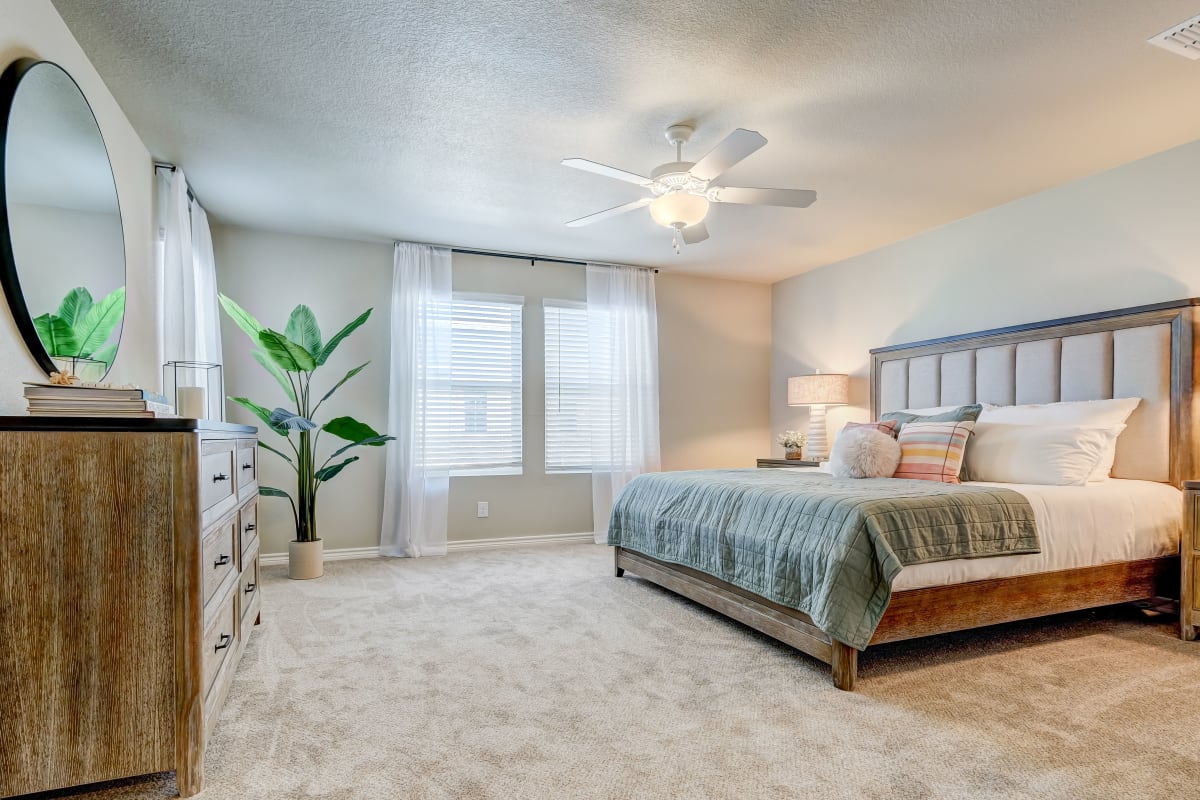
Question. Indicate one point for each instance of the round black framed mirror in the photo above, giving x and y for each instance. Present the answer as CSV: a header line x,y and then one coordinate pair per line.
x,y
62,245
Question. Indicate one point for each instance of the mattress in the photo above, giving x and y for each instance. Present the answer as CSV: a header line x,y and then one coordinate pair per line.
x,y
1078,526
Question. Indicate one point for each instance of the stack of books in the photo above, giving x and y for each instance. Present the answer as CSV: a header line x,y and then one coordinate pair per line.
x,y
52,400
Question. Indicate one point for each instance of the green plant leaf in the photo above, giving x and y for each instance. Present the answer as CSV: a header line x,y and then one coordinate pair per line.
x,y
75,305
101,320
342,334
302,329
374,441
325,473
270,366
285,418
241,317
260,412
279,453
349,429
58,337
290,356
345,378
268,491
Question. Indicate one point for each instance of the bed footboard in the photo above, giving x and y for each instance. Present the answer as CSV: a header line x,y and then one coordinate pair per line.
x,y
788,625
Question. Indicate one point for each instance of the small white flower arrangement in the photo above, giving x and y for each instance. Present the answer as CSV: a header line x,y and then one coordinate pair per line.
x,y
792,440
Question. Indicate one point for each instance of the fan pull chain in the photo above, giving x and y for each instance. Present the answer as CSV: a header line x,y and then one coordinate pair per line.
x,y
675,241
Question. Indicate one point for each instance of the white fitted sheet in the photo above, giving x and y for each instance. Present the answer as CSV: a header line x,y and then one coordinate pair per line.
x,y
1078,526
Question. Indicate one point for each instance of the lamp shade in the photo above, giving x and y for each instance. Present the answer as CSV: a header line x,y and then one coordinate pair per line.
x,y
679,208
822,389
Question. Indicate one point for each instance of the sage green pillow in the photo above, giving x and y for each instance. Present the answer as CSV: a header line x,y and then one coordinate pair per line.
x,y
960,414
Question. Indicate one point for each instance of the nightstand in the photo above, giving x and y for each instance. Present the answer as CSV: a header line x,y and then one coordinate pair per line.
x,y
1189,550
777,463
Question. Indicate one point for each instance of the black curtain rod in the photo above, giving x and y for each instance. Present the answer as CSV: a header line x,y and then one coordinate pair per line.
x,y
172,168
532,259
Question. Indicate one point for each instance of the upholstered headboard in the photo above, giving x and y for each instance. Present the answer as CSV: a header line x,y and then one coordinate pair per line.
x,y
1144,352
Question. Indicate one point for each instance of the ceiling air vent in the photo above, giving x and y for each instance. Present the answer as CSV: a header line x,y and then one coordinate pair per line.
x,y
1183,38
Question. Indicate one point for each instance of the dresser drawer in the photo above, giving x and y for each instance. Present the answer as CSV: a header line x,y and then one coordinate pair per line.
x,y
1196,524
219,556
248,593
216,473
247,465
248,521
220,639
1195,583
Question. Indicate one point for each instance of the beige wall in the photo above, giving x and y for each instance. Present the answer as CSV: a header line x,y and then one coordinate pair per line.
x,y
714,361
1121,238
714,342
32,28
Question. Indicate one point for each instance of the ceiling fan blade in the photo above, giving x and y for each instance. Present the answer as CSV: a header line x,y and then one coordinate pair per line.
x,y
605,170
611,212
791,198
694,234
732,149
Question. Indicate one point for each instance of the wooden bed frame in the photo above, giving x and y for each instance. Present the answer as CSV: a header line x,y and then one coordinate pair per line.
x,y
941,609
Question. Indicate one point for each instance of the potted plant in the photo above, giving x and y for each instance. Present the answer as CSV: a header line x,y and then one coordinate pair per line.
x,y
79,334
292,357
793,444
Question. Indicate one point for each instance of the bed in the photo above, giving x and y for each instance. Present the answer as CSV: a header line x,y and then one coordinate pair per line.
x,y
1104,544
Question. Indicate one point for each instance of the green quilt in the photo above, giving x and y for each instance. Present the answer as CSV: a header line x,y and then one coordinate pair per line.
x,y
829,547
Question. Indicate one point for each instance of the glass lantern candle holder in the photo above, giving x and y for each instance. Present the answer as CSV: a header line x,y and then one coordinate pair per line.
x,y
88,370
195,388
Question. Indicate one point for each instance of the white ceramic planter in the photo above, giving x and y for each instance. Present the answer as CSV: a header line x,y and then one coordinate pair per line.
x,y
306,560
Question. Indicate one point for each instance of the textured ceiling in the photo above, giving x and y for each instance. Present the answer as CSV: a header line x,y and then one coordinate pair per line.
x,y
445,121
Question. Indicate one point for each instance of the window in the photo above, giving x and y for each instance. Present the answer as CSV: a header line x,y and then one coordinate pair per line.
x,y
475,427
568,438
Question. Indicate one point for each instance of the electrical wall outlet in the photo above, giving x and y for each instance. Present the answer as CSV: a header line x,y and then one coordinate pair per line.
x,y
481,509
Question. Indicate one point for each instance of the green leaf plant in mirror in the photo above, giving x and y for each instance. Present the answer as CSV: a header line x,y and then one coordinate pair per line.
x,y
292,357
81,329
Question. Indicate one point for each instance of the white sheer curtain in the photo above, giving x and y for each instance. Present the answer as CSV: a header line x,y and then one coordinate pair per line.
x,y
189,316
416,498
623,375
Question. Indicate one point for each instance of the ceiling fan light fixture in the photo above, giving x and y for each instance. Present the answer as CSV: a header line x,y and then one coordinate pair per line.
x,y
679,209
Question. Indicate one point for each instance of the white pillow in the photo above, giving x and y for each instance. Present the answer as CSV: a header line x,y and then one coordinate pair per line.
x,y
864,453
1042,454
1079,414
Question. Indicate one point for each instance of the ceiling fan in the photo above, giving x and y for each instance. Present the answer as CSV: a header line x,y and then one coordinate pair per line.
x,y
680,191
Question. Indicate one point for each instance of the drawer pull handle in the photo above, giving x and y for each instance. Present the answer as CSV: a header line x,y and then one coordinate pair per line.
x,y
247,466
220,476
251,527
250,588
226,640
222,561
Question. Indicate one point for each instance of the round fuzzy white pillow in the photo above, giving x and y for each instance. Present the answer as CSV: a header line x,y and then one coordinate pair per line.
x,y
864,453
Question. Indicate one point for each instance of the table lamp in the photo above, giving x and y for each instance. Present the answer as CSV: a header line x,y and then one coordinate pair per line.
x,y
818,391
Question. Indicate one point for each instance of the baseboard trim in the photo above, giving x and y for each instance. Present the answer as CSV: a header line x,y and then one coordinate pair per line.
x,y
338,554
350,553
517,541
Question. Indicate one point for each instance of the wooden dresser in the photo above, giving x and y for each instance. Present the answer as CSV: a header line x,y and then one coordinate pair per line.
x,y
1189,596
128,591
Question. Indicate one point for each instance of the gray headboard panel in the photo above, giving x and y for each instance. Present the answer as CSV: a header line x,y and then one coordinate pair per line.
x,y
1144,352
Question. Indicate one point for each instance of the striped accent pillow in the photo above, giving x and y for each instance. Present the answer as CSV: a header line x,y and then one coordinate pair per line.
x,y
933,451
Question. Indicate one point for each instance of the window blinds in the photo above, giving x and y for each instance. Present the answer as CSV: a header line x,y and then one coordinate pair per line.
x,y
475,427
568,442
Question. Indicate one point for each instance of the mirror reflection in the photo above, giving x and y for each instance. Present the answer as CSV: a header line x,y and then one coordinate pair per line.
x,y
68,251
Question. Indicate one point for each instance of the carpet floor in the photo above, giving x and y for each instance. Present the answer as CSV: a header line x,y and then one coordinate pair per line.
x,y
534,673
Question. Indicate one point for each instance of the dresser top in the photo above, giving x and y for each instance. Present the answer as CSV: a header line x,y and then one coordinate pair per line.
x,y
138,424
1193,486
